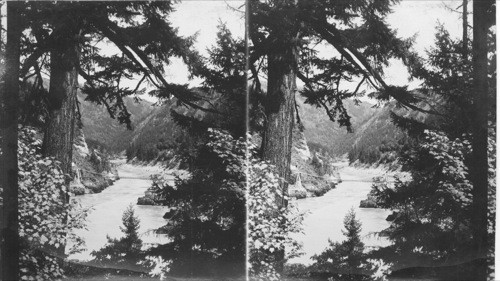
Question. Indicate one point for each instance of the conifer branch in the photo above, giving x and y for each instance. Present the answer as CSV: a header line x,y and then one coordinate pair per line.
x,y
119,38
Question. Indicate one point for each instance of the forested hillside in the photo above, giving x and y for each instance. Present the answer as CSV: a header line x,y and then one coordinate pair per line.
x,y
100,129
154,133
155,136
375,138
326,136
378,139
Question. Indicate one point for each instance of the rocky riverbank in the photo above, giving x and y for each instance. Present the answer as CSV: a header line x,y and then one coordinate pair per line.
x,y
93,170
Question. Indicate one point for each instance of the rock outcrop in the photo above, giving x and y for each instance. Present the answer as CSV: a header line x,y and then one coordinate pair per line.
x,y
92,171
306,181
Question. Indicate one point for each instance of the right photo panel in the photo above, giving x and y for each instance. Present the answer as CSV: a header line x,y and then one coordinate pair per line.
x,y
371,140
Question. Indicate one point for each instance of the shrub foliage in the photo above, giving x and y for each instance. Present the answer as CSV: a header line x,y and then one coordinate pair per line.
x,y
46,222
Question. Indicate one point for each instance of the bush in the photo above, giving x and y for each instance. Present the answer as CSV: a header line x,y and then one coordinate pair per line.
x,y
433,207
46,221
270,226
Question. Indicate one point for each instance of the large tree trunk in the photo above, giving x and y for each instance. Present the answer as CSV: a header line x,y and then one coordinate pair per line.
x,y
9,97
59,130
479,171
279,110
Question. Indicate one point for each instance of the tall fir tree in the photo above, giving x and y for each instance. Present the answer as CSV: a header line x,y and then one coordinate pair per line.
x,y
344,260
63,37
126,251
434,210
207,217
482,20
9,99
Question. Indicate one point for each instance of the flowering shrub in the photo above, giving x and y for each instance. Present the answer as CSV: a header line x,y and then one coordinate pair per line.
x,y
270,225
46,222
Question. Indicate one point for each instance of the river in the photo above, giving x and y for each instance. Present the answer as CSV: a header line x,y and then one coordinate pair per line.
x,y
323,220
325,214
107,207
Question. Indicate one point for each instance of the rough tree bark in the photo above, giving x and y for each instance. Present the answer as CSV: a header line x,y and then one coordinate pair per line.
x,y
9,97
279,110
479,171
59,130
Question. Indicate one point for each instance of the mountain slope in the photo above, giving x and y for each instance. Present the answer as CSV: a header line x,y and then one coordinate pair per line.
x,y
378,139
155,136
375,138
328,137
101,129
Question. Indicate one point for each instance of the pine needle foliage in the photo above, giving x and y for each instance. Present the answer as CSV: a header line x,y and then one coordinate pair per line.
x,y
433,208
122,252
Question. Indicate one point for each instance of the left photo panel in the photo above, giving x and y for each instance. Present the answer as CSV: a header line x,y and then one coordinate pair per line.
x,y
123,140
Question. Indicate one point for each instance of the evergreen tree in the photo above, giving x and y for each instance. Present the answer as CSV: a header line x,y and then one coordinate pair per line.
x,y
207,217
434,225
483,19
126,251
344,261
353,245
9,99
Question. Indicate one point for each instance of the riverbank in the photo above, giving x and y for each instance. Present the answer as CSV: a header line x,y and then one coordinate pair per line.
x,y
325,214
105,217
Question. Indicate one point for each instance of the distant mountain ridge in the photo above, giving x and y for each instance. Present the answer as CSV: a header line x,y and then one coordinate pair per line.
x,y
374,139
103,130
326,136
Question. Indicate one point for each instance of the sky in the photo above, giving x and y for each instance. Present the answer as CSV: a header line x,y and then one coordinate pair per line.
x,y
421,18
203,17
192,17
409,18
